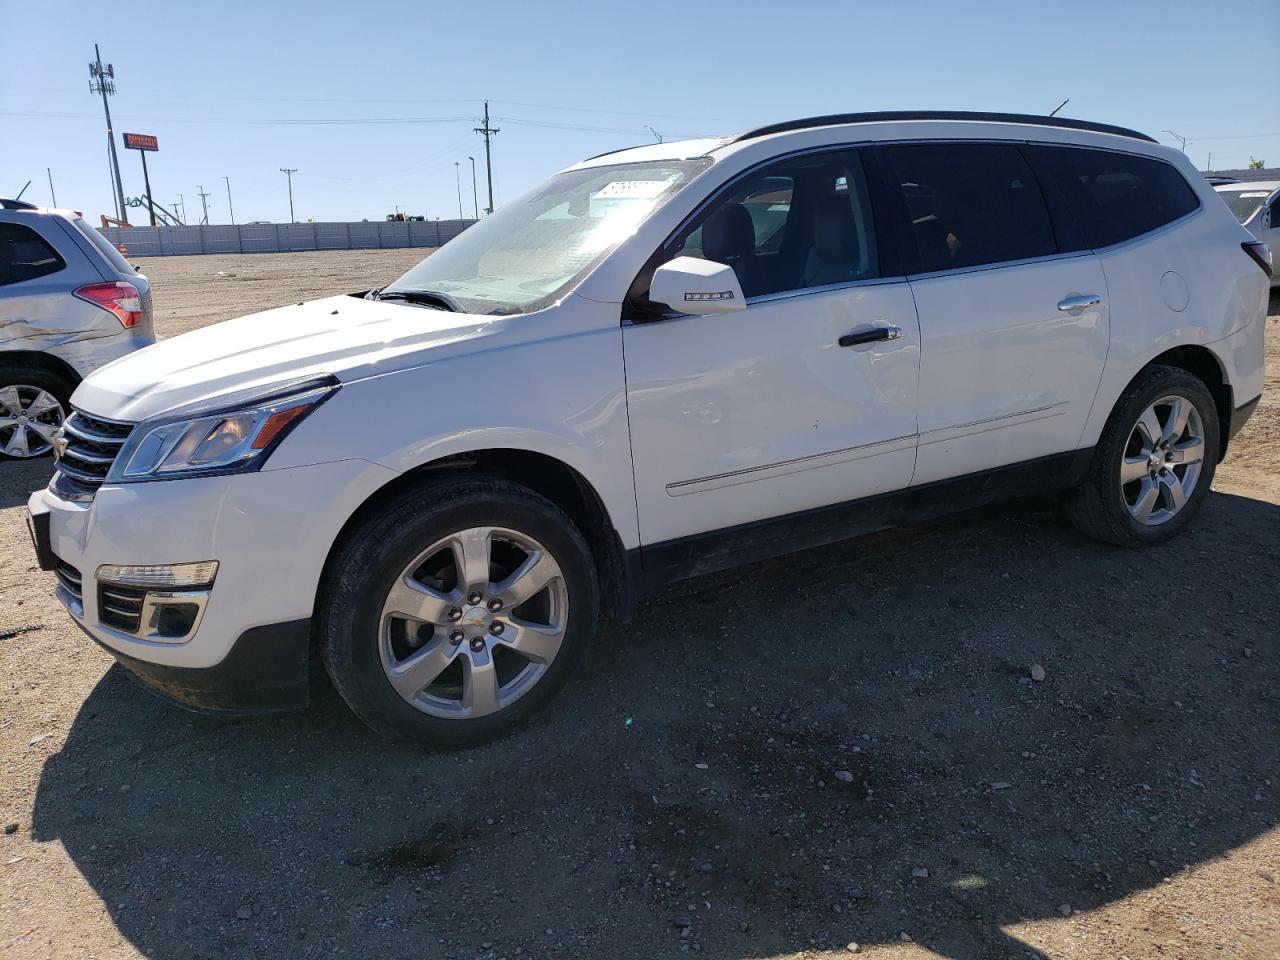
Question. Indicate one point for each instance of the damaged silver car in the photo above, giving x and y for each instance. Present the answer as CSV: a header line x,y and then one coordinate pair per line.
x,y
69,303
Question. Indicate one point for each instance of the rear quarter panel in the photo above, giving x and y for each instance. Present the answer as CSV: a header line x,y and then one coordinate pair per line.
x,y
1188,283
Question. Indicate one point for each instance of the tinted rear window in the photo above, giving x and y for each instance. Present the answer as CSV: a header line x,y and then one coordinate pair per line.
x,y
971,204
1100,197
25,255
113,255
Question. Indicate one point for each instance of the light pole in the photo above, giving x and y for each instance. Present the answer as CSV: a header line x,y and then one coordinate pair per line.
x,y
227,180
1177,136
475,197
457,179
289,172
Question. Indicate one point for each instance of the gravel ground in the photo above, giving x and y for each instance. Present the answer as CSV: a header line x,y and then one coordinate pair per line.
x,y
842,747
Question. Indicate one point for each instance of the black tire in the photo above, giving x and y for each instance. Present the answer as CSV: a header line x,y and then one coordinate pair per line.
x,y
372,556
1097,507
13,374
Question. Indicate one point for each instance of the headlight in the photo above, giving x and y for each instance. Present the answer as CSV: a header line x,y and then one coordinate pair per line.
x,y
230,434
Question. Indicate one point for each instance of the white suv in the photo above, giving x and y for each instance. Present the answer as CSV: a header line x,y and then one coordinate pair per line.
x,y
660,362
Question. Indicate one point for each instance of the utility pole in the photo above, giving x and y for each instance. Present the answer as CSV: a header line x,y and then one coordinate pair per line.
x,y
1179,137
475,197
457,179
183,206
204,203
289,172
488,131
52,196
232,209
146,183
103,80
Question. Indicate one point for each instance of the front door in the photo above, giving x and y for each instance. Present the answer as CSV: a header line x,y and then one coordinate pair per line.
x,y
740,417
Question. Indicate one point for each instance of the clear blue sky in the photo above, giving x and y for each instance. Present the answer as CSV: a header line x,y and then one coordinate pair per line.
x,y
226,85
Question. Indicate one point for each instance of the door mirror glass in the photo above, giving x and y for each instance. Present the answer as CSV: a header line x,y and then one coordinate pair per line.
x,y
696,286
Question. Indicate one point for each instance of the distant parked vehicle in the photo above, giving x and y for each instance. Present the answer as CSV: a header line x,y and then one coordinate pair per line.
x,y
69,303
1256,204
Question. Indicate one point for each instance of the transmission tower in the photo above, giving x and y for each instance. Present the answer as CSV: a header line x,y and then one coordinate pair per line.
x,y
103,80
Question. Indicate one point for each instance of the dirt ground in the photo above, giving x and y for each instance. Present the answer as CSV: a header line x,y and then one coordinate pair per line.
x,y
682,797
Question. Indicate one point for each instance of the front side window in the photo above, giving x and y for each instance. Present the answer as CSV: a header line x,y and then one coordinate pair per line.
x,y
796,224
1102,197
25,255
532,250
970,204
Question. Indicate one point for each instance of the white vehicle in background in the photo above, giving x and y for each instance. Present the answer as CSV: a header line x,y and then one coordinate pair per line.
x,y
1256,205
661,362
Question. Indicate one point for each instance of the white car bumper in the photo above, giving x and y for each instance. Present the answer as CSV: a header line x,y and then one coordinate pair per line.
x,y
270,533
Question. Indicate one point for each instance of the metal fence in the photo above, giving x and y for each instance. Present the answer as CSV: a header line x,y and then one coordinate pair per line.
x,y
284,237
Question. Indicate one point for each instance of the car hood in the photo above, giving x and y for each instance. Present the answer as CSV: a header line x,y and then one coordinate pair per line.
x,y
346,336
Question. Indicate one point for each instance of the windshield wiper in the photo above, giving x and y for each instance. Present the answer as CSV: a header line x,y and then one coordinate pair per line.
x,y
423,298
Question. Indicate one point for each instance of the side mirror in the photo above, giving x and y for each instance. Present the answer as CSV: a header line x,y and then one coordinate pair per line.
x,y
693,285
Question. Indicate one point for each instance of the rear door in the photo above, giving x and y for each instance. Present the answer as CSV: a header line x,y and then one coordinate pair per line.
x,y
1013,333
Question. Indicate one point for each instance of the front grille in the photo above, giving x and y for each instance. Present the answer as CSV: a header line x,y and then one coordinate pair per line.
x,y
69,578
92,446
120,607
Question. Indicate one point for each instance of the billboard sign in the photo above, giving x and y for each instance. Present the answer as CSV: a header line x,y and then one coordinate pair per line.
x,y
141,141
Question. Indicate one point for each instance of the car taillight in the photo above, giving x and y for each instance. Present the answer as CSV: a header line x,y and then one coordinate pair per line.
x,y
121,298
1260,252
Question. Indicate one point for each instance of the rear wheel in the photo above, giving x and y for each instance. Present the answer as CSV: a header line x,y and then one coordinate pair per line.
x,y
457,611
33,405
1154,462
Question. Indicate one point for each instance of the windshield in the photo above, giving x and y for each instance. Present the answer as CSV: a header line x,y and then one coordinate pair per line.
x,y
1244,203
531,251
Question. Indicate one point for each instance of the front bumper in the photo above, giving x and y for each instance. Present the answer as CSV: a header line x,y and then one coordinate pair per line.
x,y
270,532
266,671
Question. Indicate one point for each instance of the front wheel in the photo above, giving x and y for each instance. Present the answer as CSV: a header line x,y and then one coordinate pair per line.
x,y
1154,461
457,610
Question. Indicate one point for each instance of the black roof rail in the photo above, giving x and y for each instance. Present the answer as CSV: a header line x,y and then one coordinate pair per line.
x,y
885,116
16,205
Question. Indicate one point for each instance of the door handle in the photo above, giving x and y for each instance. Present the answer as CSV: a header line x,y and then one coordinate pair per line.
x,y
872,335
1076,303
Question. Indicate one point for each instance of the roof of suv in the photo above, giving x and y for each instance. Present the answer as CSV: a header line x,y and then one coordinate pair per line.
x,y
688,149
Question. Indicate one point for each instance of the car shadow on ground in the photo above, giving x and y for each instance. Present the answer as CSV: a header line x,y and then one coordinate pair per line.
x,y
761,762
18,478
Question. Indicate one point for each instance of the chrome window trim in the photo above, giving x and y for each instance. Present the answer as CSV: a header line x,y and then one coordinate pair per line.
x,y
1001,265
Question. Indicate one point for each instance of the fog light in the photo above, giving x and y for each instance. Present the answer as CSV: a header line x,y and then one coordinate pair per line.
x,y
173,620
161,574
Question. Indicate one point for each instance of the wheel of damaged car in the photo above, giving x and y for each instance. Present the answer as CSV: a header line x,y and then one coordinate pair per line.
x,y
33,404
456,610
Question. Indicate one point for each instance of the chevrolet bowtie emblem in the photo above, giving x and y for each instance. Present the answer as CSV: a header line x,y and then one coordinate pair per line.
x,y
59,444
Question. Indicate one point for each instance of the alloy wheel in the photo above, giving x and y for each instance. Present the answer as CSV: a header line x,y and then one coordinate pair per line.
x,y
473,622
29,418
1162,460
